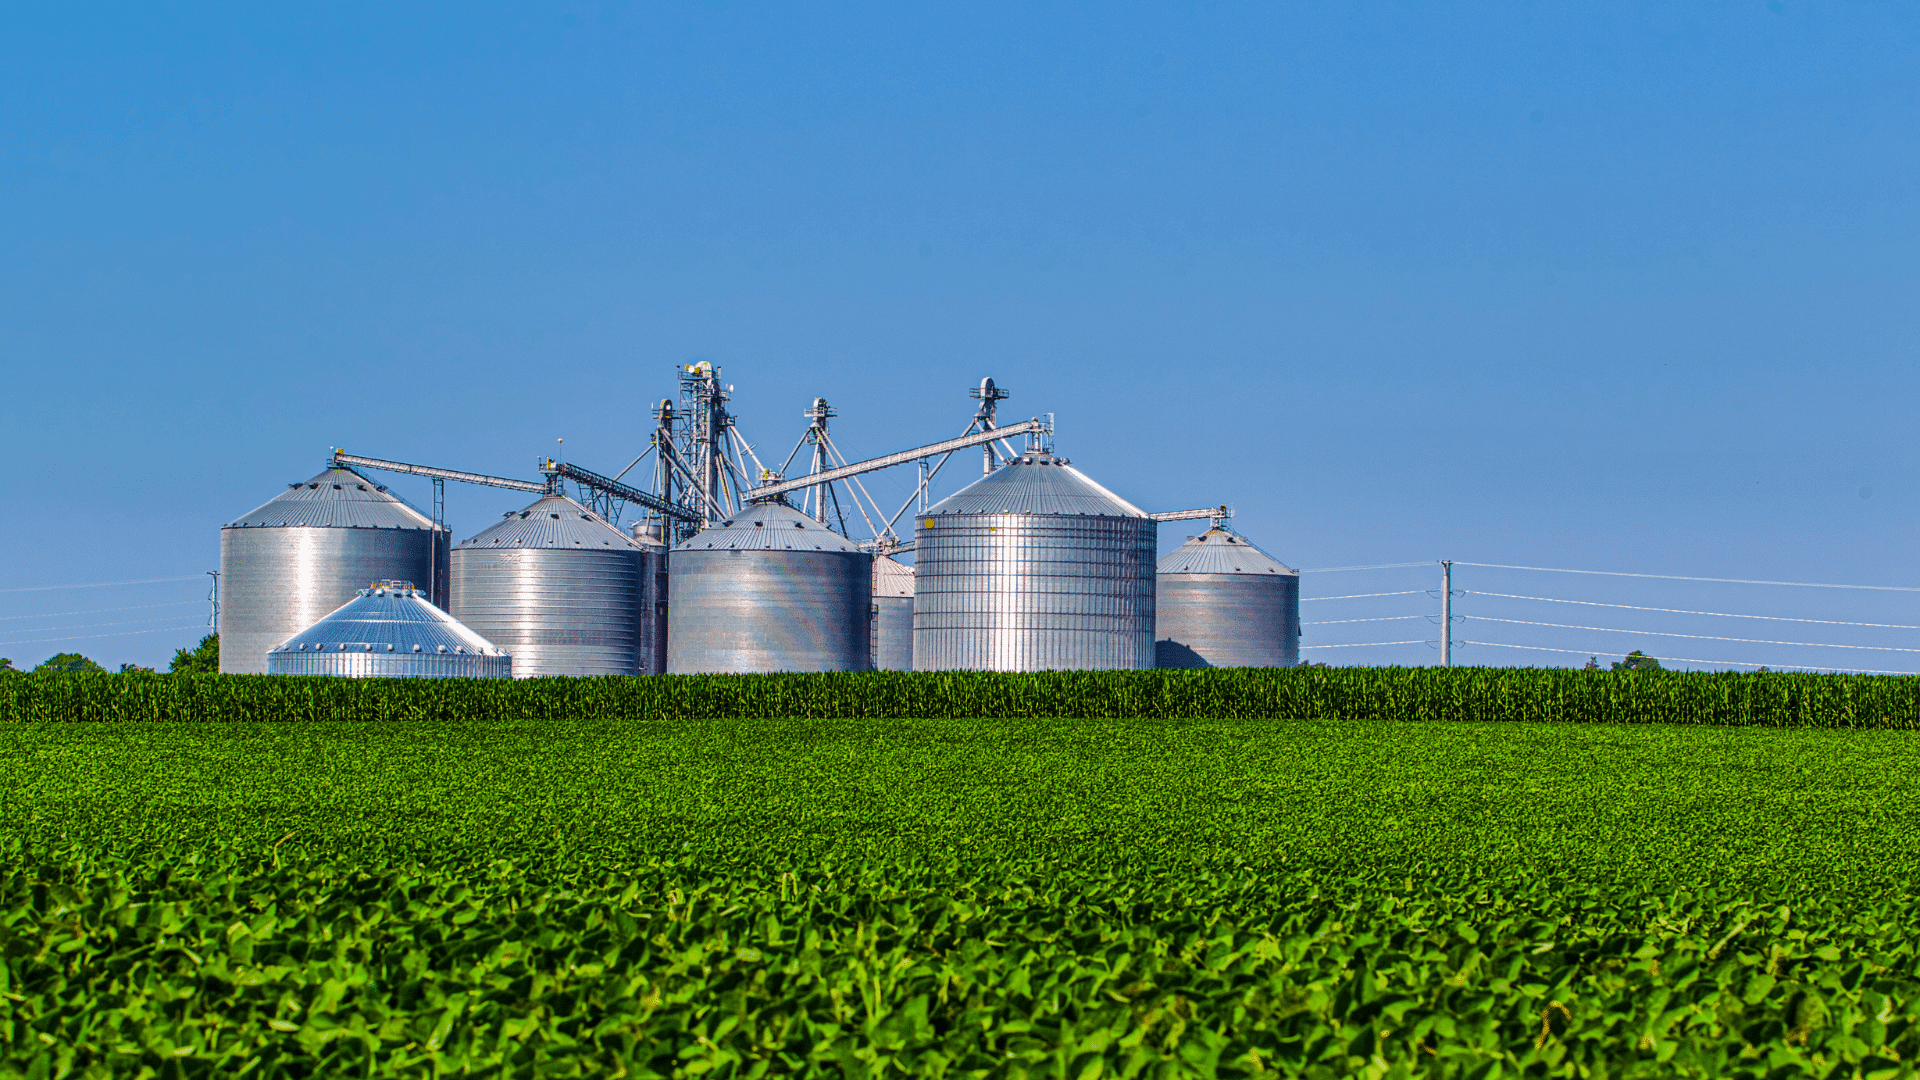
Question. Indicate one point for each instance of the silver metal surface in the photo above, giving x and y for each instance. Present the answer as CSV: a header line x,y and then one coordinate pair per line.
x,y
343,458
1034,567
389,631
1212,512
288,563
903,457
560,589
892,615
1225,603
769,590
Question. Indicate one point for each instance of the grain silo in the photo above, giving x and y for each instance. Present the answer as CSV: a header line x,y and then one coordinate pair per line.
x,y
892,614
769,590
653,597
559,588
287,564
1034,567
1225,603
389,630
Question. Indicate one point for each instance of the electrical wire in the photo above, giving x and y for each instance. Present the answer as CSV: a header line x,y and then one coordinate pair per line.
x,y
90,611
1697,637
1384,618
100,584
1363,644
1677,577
1357,596
91,625
1685,611
1682,659
1375,566
123,633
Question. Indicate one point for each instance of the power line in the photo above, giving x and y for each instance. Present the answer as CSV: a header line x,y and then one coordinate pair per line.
x,y
1384,618
1362,644
91,625
91,611
1684,660
1375,566
1675,577
1357,596
98,584
124,633
1685,611
1697,637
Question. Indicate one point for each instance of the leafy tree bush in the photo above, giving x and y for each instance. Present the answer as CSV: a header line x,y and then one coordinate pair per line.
x,y
202,659
1638,661
68,662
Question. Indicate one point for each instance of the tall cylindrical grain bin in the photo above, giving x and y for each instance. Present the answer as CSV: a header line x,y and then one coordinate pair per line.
x,y
653,598
769,590
1225,603
292,561
389,630
1034,567
892,614
559,588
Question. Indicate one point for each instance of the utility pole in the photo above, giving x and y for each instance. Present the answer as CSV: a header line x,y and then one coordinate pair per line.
x,y
1446,613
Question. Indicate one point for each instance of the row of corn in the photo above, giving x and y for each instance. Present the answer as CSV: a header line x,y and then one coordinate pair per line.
x,y
1536,694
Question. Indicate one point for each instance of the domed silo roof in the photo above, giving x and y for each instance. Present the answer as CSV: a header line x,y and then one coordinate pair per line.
x,y
769,589
336,499
560,588
1033,567
389,630
288,562
1036,483
1218,551
1222,602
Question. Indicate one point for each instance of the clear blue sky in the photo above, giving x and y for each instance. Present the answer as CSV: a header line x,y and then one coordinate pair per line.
x,y
1610,286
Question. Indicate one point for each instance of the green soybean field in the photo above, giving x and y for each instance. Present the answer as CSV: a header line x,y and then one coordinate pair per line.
x,y
1079,898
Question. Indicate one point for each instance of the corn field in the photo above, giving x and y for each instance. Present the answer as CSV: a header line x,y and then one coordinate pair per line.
x,y
1446,694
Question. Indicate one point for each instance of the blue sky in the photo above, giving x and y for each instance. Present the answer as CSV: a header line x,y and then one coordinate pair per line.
x,y
1605,286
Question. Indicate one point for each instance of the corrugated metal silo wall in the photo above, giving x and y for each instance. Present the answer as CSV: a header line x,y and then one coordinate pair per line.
x,y
1033,592
276,581
1227,620
557,612
893,633
763,611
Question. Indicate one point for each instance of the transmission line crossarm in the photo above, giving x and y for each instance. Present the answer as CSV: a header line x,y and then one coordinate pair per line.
x,y
903,457
342,458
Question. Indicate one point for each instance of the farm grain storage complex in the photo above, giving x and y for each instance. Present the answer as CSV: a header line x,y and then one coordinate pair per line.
x,y
701,557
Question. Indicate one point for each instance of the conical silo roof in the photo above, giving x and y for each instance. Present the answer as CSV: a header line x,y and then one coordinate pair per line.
x,y
891,577
769,526
1036,483
553,523
1218,551
337,498
390,617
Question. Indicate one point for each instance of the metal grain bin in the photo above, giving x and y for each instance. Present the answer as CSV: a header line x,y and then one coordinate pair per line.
x,y
1034,567
653,599
769,590
1225,603
287,564
390,631
559,588
892,615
